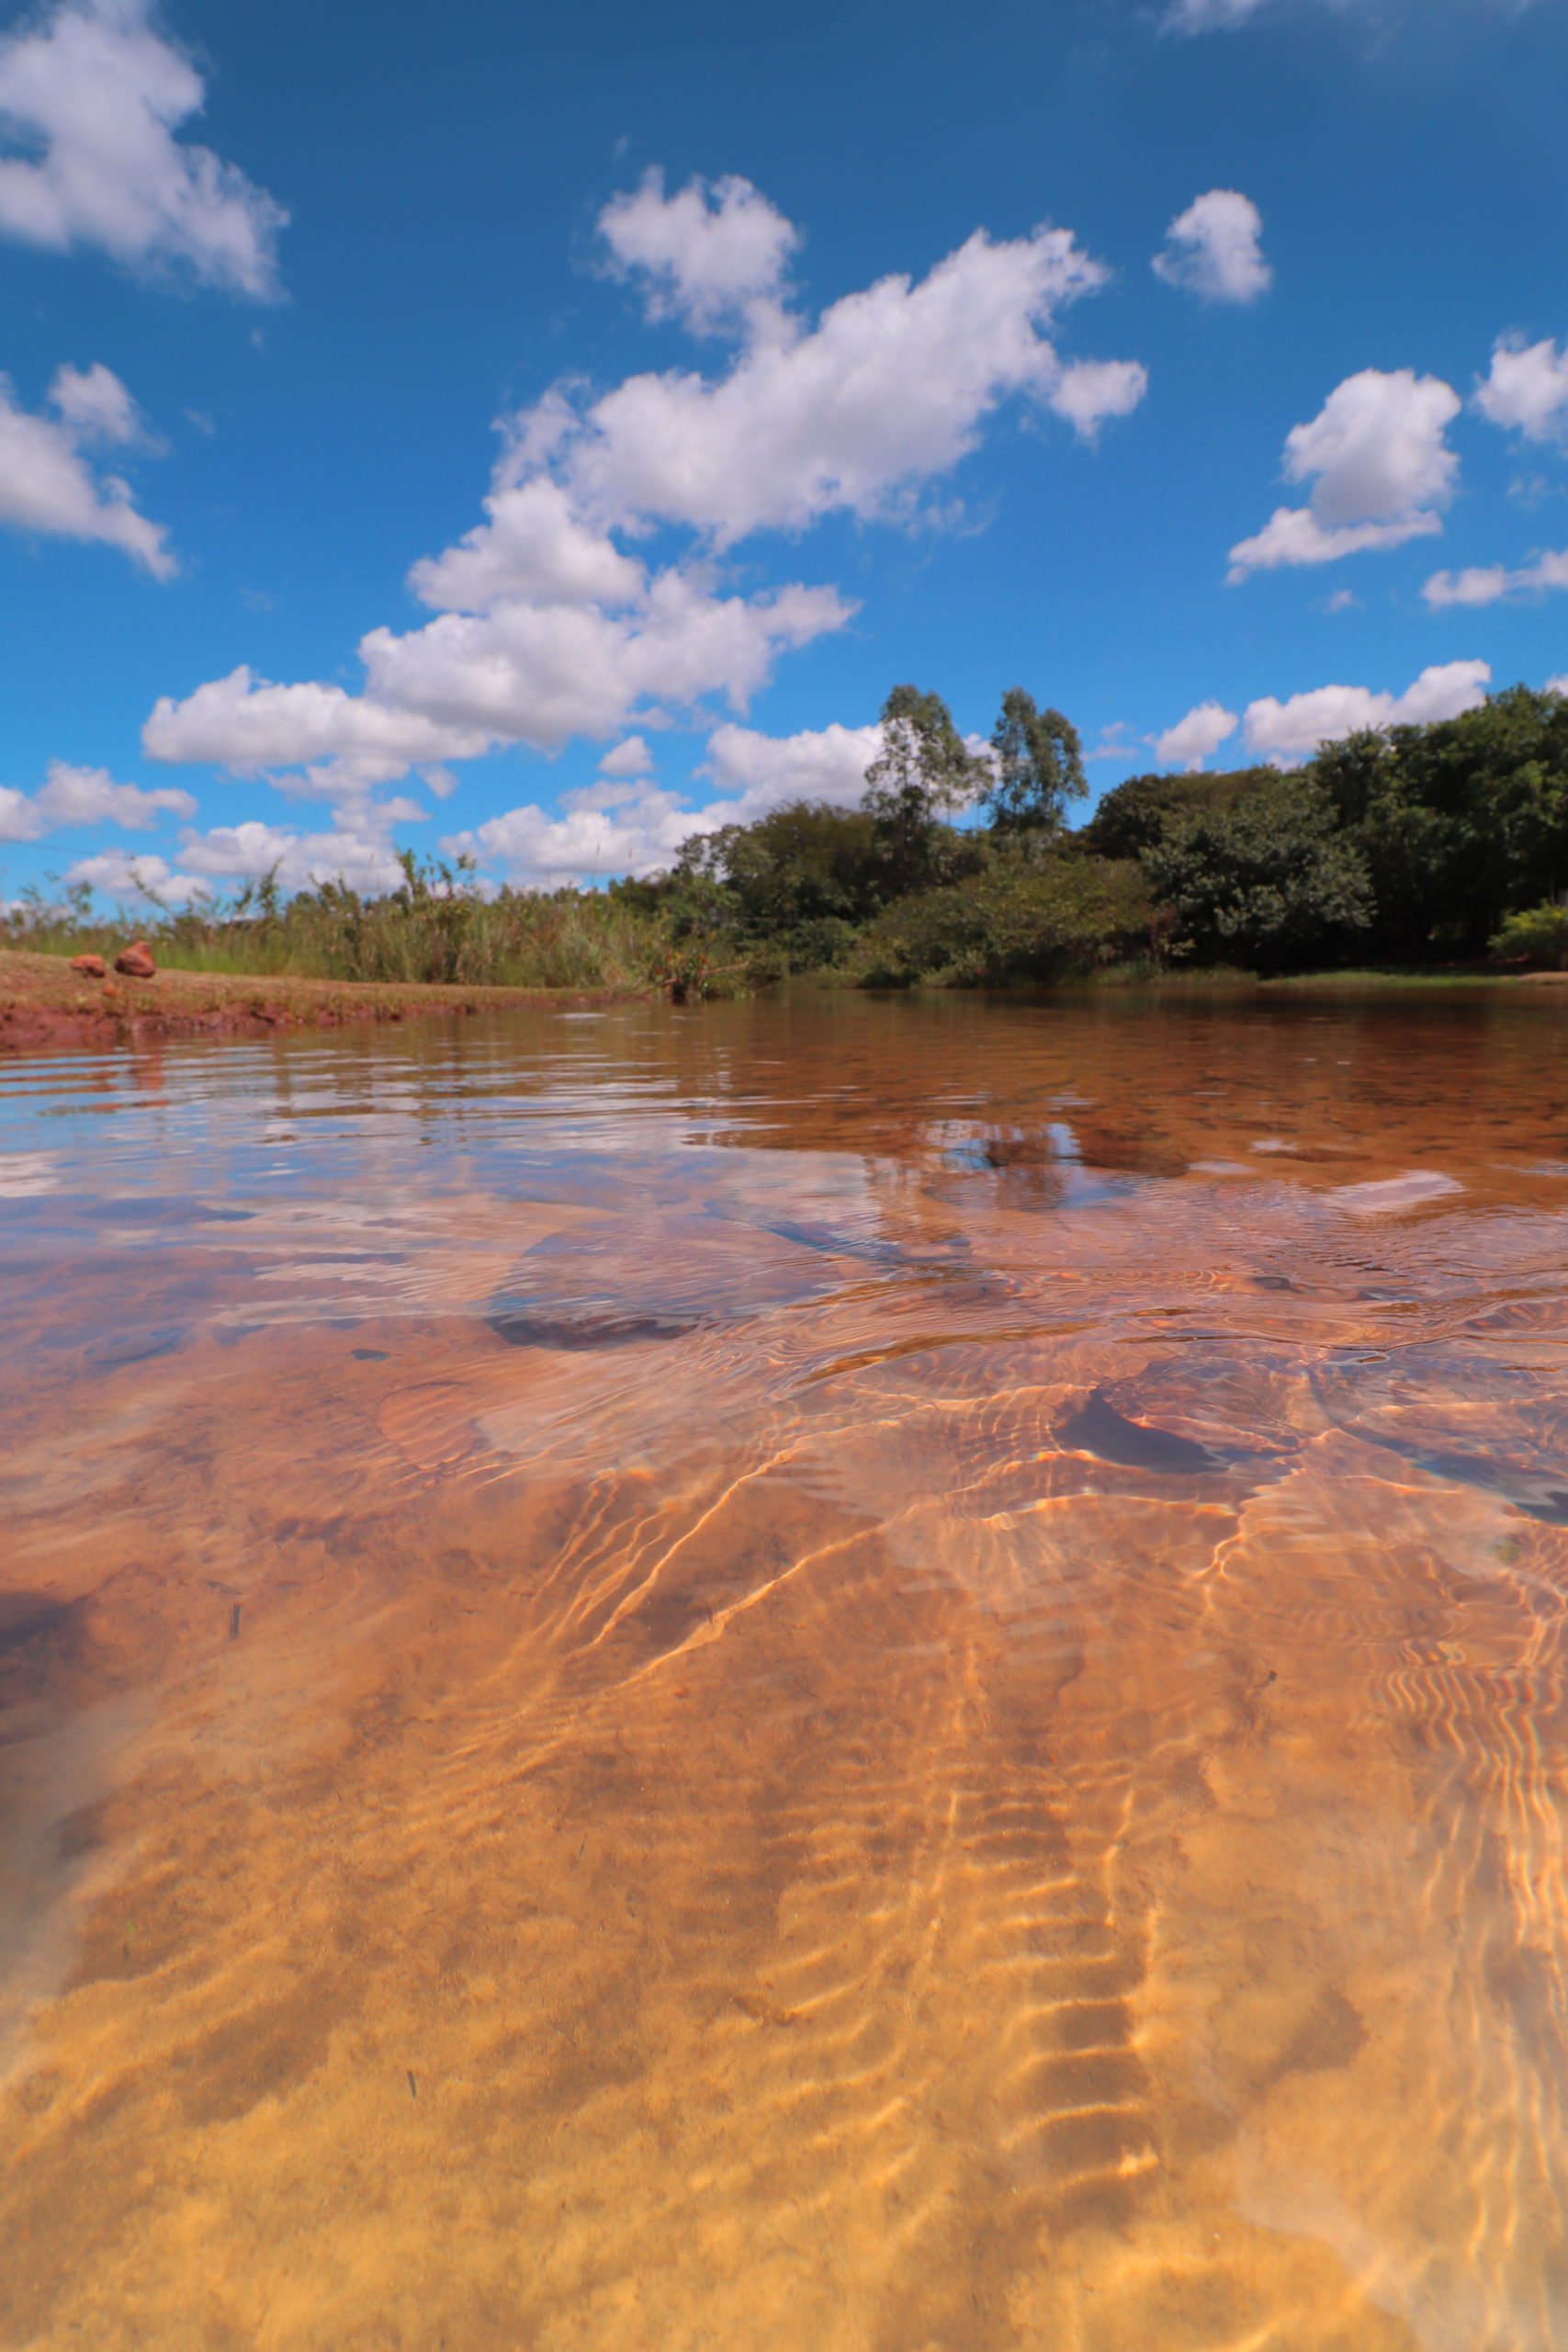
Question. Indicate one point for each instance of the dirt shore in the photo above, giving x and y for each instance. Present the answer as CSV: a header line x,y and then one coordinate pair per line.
x,y
45,1004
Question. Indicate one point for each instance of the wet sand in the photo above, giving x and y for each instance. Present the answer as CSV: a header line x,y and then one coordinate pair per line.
x,y
875,1676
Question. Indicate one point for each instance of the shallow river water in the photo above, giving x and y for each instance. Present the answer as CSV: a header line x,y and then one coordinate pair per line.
x,y
822,1675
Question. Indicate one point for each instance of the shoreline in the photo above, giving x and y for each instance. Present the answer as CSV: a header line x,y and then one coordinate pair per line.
x,y
45,1004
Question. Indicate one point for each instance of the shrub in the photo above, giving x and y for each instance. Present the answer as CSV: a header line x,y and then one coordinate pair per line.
x,y
1534,935
1271,880
1015,920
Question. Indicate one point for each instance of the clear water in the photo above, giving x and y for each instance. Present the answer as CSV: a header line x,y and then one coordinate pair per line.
x,y
885,1677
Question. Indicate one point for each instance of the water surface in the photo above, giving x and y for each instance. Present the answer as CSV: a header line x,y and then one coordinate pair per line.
x,y
885,1676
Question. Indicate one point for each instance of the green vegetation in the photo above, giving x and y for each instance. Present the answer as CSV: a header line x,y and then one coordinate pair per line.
x,y
435,926
1270,881
1411,848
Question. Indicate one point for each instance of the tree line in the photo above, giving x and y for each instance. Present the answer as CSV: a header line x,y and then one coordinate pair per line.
x,y
1438,844
1441,844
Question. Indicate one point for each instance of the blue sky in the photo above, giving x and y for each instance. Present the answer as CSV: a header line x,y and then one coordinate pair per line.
x,y
538,431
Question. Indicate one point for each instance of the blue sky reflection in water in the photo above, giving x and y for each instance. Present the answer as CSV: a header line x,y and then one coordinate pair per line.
x,y
815,1671
539,434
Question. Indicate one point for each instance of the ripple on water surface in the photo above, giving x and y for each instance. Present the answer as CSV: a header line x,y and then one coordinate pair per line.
x,y
884,1676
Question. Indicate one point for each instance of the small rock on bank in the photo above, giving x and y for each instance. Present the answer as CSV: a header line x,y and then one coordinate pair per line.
x,y
136,961
91,967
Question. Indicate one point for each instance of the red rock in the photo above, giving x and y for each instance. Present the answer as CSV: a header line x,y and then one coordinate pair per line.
x,y
91,967
136,961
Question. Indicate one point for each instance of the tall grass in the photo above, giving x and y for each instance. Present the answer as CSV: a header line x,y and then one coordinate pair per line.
x,y
435,926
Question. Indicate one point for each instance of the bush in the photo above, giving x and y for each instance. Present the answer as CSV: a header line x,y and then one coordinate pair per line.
x,y
1017,919
1534,935
1272,880
1139,813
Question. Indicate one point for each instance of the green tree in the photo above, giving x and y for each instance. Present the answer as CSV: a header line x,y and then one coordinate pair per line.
x,y
923,770
798,878
1461,821
1050,918
1138,812
1268,882
1039,767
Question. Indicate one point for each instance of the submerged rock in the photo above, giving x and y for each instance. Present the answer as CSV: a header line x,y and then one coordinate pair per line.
x,y
588,1324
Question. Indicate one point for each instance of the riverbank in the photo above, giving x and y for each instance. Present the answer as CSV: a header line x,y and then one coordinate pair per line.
x,y
44,1003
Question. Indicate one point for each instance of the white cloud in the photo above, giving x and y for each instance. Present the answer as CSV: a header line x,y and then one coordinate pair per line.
x,y
1113,743
889,388
1227,16
633,826
639,835
541,673
1088,391
534,548
1191,741
1526,387
1293,535
1209,16
1558,685
90,97
1484,583
1379,467
46,483
124,874
630,758
759,772
94,404
70,796
362,856
1214,249
548,622
1286,732
710,255
343,741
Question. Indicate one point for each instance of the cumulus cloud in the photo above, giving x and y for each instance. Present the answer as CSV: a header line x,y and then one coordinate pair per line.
x,y
757,772
889,388
94,405
342,740
90,99
1558,685
549,624
1191,741
709,255
1286,732
361,855
633,827
123,874
1380,466
70,796
640,834
1214,249
1088,392
539,673
48,485
1526,389
1485,584
630,758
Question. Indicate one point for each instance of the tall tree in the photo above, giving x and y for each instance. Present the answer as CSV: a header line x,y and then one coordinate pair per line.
x,y
923,769
1039,767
